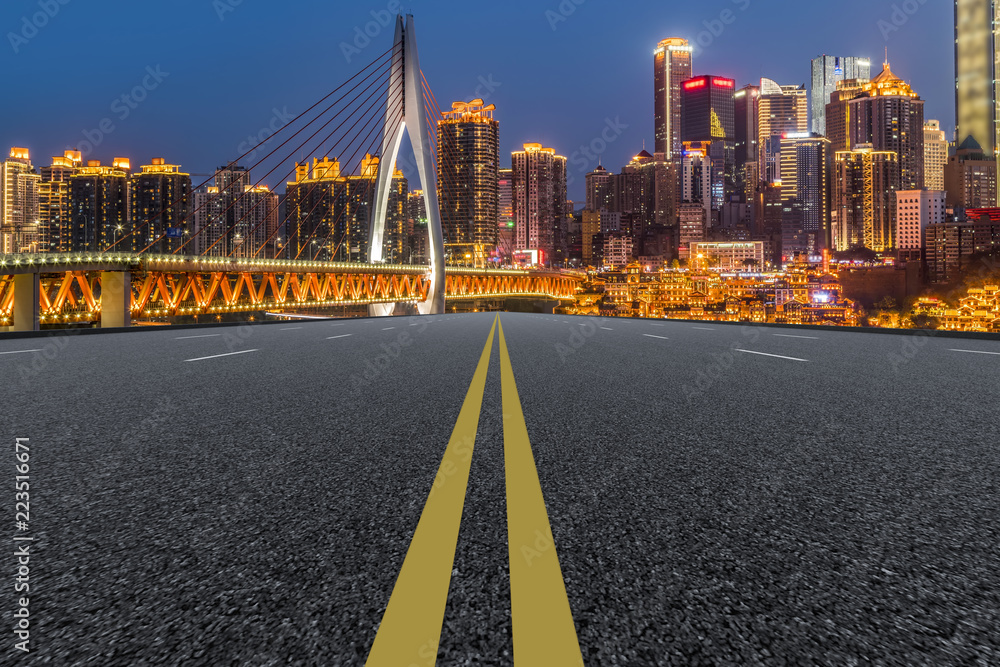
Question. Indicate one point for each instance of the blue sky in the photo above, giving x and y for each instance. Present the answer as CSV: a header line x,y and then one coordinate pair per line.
x,y
557,70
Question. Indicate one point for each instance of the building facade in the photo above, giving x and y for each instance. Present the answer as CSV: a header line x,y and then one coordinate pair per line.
x,y
935,155
863,213
671,67
160,206
915,211
805,223
539,198
708,115
970,177
21,230
781,110
54,207
977,82
827,71
100,203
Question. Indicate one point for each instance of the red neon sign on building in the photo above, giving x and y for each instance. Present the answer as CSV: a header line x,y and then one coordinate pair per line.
x,y
696,83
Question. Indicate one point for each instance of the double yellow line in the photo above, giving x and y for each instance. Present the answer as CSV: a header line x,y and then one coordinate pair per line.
x,y
544,633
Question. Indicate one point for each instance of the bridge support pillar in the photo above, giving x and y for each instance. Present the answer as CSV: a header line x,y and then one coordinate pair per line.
x,y
116,299
27,292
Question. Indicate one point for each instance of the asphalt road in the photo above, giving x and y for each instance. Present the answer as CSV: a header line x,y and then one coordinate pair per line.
x,y
717,494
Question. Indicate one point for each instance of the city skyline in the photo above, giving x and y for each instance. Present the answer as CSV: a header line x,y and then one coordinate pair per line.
x,y
529,108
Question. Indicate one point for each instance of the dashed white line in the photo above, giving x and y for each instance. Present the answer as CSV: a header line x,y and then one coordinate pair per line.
x,y
388,328
20,351
607,329
791,336
975,352
340,336
227,354
204,336
652,336
776,356
703,328
291,329
658,325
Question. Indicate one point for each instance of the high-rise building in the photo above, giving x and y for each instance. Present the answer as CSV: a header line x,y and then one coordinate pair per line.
x,y
889,115
505,217
235,218
970,177
915,210
977,81
696,176
935,155
539,200
827,71
644,193
671,67
805,201
838,129
161,200
468,160
863,209
708,115
100,201
329,211
747,115
54,208
21,228
781,110
598,189
692,227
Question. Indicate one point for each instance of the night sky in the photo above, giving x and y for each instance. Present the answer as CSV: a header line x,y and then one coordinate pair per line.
x,y
557,71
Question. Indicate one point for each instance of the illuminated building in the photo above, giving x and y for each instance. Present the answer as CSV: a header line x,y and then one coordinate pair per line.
x,y
977,82
468,157
598,189
888,115
589,228
234,218
746,111
671,67
101,206
644,192
505,216
827,71
329,211
838,114
161,198
55,212
539,198
935,155
729,256
805,202
708,115
693,224
970,177
863,208
915,211
617,250
20,222
949,248
696,176
781,110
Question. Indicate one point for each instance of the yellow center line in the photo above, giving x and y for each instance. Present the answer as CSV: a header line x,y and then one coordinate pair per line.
x,y
544,634
411,626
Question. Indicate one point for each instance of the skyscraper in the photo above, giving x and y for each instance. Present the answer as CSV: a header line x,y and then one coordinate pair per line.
x,y
54,207
747,116
100,203
805,201
863,211
671,67
708,115
20,224
826,72
935,155
539,199
505,215
970,177
977,82
598,195
781,110
161,199
468,156
889,116
838,113
234,218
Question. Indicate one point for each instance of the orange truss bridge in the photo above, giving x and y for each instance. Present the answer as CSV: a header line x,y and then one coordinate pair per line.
x,y
114,289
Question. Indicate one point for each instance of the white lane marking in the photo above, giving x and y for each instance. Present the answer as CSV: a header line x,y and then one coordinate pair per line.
x,y
388,328
765,354
659,325
607,329
340,336
20,351
337,325
204,336
974,352
227,354
703,329
415,324
791,336
652,336
291,329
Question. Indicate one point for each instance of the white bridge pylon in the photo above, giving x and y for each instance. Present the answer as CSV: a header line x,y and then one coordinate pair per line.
x,y
405,112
